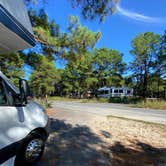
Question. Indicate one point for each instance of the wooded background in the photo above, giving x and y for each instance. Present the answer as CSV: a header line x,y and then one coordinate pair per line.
x,y
86,67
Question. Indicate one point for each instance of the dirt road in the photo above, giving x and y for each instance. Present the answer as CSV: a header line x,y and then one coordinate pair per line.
x,y
118,110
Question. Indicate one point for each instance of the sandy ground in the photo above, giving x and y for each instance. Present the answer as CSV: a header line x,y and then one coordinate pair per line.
x,y
78,139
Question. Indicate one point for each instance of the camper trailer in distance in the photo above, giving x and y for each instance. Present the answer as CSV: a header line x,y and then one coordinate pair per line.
x,y
107,92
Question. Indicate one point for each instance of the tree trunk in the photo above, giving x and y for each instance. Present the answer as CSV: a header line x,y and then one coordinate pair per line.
x,y
158,88
165,90
145,81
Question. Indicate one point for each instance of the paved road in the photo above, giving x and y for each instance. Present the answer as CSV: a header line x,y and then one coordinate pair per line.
x,y
118,110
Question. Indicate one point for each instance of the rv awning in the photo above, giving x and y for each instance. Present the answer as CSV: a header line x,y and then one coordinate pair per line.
x,y
15,28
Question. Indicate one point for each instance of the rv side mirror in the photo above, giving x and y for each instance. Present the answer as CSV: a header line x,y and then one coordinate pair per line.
x,y
24,90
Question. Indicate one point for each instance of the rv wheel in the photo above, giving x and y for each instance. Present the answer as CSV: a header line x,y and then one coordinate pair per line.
x,y
31,151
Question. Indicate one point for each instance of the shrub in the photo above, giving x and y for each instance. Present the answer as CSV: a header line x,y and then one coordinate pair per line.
x,y
154,104
45,103
125,100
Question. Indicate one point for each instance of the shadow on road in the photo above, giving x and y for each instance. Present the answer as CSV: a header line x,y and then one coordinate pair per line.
x,y
78,146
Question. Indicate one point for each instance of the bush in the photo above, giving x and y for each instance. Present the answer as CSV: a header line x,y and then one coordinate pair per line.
x,y
154,104
125,100
43,102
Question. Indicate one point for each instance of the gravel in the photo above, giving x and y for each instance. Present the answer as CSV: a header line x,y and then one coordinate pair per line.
x,y
79,139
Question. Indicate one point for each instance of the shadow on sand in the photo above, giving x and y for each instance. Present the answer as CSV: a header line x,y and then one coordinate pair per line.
x,y
142,155
78,146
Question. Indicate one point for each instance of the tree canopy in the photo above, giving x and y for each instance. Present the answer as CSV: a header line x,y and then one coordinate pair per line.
x,y
83,67
43,78
13,66
144,59
90,9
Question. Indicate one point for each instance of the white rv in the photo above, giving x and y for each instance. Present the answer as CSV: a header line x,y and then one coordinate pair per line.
x,y
23,124
107,92
15,27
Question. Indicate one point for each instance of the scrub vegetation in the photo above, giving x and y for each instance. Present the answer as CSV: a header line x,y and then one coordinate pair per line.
x,y
152,104
43,102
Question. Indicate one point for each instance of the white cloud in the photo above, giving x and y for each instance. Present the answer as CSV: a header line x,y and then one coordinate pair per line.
x,y
139,17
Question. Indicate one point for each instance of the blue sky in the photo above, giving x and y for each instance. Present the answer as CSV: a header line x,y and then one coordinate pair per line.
x,y
132,17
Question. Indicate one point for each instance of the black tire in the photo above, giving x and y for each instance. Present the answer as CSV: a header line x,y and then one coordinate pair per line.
x,y
21,159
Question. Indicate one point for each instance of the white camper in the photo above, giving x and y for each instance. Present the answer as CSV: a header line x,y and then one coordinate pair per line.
x,y
15,27
107,92
23,124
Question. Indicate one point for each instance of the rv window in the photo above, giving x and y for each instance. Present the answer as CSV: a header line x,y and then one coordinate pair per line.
x,y
3,99
101,92
106,91
115,91
120,91
128,92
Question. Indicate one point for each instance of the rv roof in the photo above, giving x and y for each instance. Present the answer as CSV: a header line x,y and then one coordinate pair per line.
x,y
15,28
104,88
108,88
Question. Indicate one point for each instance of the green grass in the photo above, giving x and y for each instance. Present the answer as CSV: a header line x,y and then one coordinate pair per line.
x,y
57,98
152,104
43,102
125,100
93,100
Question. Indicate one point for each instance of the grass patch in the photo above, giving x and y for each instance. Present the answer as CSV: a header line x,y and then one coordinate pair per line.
x,y
125,100
43,102
57,98
92,100
95,100
152,104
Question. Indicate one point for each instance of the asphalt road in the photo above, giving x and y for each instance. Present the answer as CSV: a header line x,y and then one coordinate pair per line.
x,y
118,110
